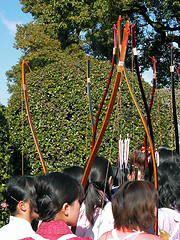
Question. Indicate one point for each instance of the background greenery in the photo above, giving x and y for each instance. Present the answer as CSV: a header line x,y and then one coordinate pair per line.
x,y
55,45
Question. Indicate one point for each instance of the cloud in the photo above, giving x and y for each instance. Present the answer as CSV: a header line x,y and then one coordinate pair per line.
x,y
148,76
10,25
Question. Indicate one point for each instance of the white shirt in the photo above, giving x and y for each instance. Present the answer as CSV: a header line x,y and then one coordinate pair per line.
x,y
103,222
169,220
18,228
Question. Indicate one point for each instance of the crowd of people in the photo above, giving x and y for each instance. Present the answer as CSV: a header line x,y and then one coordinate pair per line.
x,y
105,209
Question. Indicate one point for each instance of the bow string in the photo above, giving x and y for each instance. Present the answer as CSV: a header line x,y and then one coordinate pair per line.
x,y
29,116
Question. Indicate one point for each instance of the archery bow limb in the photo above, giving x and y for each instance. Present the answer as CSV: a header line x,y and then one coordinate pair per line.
x,y
154,78
105,92
174,104
110,106
147,132
150,105
140,82
29,116
89,94
144,124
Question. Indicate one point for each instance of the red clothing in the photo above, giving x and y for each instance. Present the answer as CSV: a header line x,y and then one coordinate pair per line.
x,y
55,229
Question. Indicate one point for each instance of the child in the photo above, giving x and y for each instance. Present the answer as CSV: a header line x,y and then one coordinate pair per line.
x,y
96,214
169,198
20,199
75,172
137,159
134,211
58,202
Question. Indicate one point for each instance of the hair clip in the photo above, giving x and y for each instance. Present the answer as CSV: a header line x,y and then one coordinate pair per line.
x,y
143,149
14,199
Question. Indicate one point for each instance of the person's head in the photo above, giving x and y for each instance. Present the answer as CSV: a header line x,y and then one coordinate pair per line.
x,y
163,154
134,205
21,195
58,198
169,185
166,154
99,186
101,174
75,172
137,159
124,175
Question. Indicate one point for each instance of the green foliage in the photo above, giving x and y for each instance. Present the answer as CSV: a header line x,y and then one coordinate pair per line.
x,y
59,109
90,23
6,169
53,46
38,42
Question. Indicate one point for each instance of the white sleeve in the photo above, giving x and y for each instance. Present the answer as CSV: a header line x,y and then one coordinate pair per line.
x,y
103,222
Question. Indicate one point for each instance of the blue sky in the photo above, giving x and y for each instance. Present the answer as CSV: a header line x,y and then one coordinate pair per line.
x,y
10,15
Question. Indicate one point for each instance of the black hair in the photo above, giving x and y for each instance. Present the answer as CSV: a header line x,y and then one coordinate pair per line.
x,y
96,186
117,174
169,185
53,191
20,188
165,155
75,172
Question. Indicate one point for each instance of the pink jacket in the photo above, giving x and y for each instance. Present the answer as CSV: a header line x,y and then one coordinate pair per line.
x,y
54,230
137,235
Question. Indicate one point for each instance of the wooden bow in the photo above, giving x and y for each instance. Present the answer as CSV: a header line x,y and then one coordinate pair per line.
x,y
150,106
174,104
105,92
140,82
110,106
29,116
147,132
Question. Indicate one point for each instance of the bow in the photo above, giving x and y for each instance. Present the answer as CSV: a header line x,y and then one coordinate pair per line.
x,y
105,92
174,103
150,105
147,132
144,124
89,93
29,116
110,106
140,82
119,28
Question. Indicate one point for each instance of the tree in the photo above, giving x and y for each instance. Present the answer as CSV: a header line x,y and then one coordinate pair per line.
x,y
53,47
59,110
6,166
89,24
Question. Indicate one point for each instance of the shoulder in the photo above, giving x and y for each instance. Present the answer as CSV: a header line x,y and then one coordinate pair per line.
x,y
168,211
80,238
107,210
4,228
106,235
108,205
167,214
68,237
35,237
28,238
148,236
